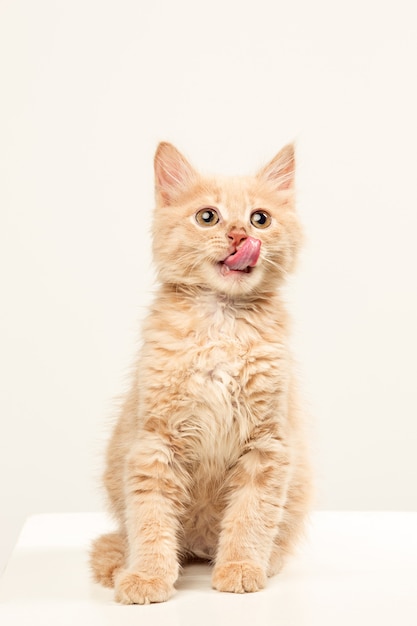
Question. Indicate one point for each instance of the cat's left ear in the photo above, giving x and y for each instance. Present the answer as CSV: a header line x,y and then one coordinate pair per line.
x,y
280,171
173,173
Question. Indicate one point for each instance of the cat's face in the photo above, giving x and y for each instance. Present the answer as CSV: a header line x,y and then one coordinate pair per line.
x,y
235,236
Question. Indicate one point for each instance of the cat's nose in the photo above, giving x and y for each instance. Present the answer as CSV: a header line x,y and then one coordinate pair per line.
x,y
237,236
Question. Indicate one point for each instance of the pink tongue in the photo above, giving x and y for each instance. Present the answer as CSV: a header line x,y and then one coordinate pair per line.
x,y
246,256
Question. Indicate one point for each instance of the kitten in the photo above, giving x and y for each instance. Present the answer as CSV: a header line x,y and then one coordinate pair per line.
x,y
208,457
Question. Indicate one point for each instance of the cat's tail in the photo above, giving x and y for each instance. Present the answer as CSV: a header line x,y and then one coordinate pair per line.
x,y
107,557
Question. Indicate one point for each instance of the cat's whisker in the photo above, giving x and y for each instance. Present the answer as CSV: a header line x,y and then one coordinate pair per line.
x,y
275,264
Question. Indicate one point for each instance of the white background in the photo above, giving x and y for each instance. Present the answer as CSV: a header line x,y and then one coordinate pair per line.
x,y
88,88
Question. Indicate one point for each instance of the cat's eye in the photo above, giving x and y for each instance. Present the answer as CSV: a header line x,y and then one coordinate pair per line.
x,y
260,219
207,217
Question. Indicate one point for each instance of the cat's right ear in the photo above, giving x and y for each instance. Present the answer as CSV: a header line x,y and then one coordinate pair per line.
x,y
280,171
173,173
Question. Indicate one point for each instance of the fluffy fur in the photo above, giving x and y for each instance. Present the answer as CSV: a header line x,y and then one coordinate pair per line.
x,y
208,457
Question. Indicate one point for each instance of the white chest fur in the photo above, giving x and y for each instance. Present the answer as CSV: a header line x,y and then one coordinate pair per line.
x,y
210,373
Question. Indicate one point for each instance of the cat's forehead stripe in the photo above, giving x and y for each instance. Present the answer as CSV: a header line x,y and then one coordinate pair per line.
x,y
233,200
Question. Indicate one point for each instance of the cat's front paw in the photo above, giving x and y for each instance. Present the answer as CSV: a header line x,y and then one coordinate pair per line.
x,y
132,588
238,577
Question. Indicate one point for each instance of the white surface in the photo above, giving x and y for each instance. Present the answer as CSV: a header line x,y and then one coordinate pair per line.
x,y
355,568
87,88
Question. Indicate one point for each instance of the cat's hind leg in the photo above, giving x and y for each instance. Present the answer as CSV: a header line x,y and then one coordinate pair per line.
x,y
292,526
291,529
107,557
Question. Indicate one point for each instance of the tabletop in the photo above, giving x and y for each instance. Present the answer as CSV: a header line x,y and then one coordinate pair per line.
x,y
353,568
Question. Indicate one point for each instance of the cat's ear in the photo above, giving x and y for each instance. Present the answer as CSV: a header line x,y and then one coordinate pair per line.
x,y
173,173
280,171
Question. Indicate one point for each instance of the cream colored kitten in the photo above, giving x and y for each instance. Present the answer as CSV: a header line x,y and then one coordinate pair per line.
x,y
208,457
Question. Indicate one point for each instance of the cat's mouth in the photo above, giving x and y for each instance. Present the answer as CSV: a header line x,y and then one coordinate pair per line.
x,y
243,260
226,271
